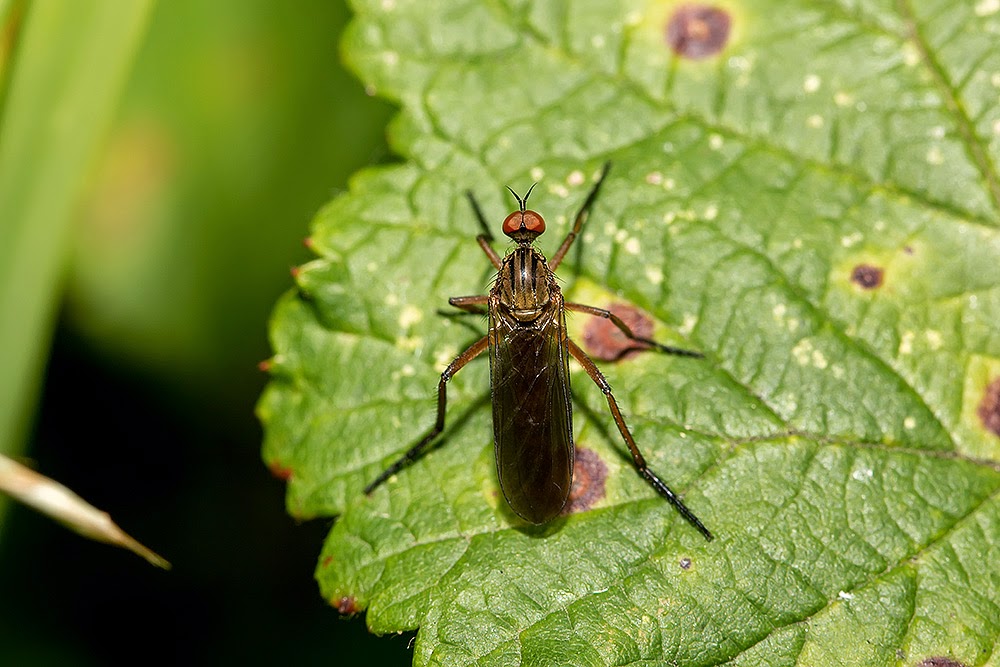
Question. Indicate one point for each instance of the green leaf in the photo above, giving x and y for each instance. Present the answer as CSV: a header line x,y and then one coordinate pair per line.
x,y
815,208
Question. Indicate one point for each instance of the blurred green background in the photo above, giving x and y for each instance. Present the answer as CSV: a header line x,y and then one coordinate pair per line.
x,y
235,122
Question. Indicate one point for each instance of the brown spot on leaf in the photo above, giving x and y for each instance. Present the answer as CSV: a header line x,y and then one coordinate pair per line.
x,y
589,475
346,605
866,276
295,271
264,366
326,561
698,31
282,472
989,407
607,342
940,661
308,242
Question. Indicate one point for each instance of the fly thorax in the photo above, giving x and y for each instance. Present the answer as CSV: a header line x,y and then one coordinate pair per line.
x,y
523,283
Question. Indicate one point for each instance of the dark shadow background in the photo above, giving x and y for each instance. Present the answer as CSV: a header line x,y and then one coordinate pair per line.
x,y
237,125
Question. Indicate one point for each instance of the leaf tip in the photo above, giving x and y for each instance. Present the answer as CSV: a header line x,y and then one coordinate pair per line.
x,y
346,605
280,471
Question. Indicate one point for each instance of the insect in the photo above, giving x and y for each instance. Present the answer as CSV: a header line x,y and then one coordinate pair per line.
x,y
529,370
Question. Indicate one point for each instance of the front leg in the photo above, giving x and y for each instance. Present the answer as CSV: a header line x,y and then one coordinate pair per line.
x,y
471,304
485,238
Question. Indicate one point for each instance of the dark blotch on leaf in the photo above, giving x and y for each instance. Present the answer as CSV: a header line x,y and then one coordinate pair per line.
x,y
604,341
264,366
685,563
989,407
867,276
346,605
698,31
589,475
940,661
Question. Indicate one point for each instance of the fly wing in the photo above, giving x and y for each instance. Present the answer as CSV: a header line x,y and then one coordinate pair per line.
x,y
532,412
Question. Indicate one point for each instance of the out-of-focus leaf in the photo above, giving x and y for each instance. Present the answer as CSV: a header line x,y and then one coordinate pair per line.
x,y
69,67
235,126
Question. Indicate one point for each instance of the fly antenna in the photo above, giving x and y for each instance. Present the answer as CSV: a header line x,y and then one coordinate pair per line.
x,y
528,194
521,202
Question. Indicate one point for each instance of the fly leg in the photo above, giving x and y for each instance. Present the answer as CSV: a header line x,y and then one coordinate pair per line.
x,y
414,452
581,217
624,328
637,457
470,304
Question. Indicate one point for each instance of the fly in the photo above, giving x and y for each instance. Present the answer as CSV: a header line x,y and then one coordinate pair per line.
x,y
529,371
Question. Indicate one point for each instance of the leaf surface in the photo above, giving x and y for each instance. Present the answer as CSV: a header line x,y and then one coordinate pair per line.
x,y
814,208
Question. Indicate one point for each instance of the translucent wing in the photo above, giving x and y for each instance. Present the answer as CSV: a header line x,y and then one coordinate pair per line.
x,y
532,412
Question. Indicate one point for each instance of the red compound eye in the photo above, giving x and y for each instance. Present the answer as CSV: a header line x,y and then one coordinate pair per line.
x,y
520,222
512,223
533,222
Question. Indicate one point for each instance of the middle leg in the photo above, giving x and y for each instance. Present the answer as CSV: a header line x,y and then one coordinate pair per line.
x,y
416,450
624,328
